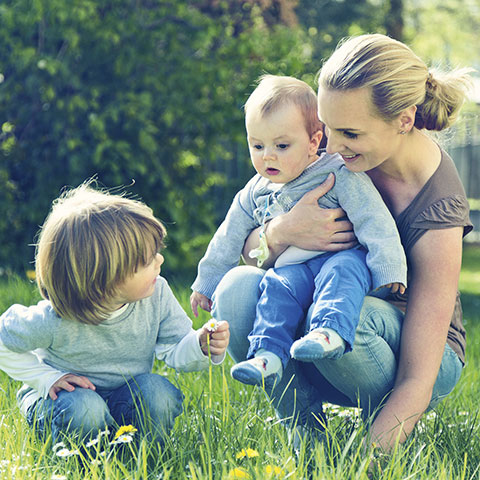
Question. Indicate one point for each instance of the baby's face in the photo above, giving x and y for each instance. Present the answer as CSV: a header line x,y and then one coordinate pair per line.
x,y
280,146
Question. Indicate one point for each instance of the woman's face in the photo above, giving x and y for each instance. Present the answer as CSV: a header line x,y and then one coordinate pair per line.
x,y
353,130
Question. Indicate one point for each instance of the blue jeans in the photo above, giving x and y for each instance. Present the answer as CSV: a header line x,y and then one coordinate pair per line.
x,y
363,377
336,283
149,402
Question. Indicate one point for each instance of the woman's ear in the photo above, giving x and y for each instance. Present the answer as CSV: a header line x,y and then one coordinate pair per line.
x,y
315,140
407,119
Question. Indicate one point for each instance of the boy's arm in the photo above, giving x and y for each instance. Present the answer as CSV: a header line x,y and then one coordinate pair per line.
x,y
374,227
191,352
177,343
27,368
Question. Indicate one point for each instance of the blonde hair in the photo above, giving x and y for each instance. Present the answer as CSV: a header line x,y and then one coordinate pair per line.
x,y
89,244
398,79
274,91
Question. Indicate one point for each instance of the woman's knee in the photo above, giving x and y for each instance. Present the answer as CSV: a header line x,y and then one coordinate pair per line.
x,y
448,376
235,300
239,288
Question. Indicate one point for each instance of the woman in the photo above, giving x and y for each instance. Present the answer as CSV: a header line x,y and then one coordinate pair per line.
x,y
376,99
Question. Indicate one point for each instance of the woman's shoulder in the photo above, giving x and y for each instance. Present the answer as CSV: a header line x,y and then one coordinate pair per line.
x,y
442,203
443,197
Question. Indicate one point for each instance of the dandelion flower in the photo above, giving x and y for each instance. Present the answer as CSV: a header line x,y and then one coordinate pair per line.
x,y
130,429
58,477
31,275
249,453
238,473
212,325
273,470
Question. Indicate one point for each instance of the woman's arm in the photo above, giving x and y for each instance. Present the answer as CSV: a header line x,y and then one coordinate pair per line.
x,y
306,226
435,268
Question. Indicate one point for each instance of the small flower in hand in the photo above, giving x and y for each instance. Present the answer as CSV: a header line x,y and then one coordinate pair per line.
x,y
211,325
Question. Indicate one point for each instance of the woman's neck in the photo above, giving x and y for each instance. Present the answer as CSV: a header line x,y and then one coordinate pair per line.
x,y
400,178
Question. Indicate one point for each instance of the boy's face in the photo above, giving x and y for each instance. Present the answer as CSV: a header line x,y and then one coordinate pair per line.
x,y
280,146
142,283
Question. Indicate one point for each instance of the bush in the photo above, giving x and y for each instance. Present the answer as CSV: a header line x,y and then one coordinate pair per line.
x,y
146,95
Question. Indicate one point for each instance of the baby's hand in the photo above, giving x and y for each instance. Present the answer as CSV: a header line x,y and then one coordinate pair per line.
x,y
68,382
199,300
396,288
219,334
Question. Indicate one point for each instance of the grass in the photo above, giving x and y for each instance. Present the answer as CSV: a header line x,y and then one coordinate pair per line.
x,y
222,418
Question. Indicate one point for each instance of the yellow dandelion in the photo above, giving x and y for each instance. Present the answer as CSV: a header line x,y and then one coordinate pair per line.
x,y
239,473
273,470
30,275
129,429
249,453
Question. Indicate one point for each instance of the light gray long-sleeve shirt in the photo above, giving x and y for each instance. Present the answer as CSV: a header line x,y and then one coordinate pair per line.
x,y
38,347
354,192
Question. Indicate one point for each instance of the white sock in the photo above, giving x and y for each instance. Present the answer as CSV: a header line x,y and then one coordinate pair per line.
x,y
273,362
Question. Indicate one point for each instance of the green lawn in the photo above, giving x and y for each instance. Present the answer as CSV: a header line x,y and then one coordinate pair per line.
x,y
223,417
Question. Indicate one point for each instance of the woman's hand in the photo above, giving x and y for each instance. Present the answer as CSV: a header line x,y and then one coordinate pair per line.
x,y
219,338
306,226
311,227
68,383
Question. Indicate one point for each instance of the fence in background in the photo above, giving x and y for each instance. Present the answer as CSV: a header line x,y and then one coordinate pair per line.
x,y
467,160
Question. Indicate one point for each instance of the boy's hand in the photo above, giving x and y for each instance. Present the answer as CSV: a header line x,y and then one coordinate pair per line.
x,y
219,334
68,382
396,288
199,300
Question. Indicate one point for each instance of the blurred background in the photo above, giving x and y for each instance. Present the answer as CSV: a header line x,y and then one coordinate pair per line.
x,y
147,96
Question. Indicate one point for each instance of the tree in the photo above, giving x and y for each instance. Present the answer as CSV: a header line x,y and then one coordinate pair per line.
x,y
145,94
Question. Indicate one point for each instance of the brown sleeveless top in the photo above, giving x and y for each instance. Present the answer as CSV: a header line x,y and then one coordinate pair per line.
x,y
441,203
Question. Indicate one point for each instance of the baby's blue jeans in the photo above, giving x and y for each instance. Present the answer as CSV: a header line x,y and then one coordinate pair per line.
x,y
363,377
336,283
148,401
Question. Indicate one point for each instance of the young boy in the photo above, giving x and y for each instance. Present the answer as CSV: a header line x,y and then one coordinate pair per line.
x,y
284,135
85,353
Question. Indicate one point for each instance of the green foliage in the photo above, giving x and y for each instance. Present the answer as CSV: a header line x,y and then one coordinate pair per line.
x,y
144,94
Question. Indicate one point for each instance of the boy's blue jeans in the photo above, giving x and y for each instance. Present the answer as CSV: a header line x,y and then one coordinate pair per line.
x,y
148,401
336,284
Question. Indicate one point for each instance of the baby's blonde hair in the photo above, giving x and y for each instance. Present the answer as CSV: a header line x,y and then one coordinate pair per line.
x,y
274,91
398,79
89,244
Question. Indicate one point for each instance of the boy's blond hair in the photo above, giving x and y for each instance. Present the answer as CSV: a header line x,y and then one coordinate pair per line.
x,y
274,91
89,244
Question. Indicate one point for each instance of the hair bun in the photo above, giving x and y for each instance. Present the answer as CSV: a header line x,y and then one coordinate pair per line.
x,y
431,83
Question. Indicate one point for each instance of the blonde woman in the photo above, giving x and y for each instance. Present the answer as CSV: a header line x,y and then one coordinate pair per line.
x,y
378,101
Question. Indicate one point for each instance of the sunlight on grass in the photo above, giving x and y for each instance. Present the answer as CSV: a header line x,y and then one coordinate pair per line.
x,y
229,430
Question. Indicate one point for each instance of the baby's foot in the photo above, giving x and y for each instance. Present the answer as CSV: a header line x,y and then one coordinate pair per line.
x,y
257,371
319,343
